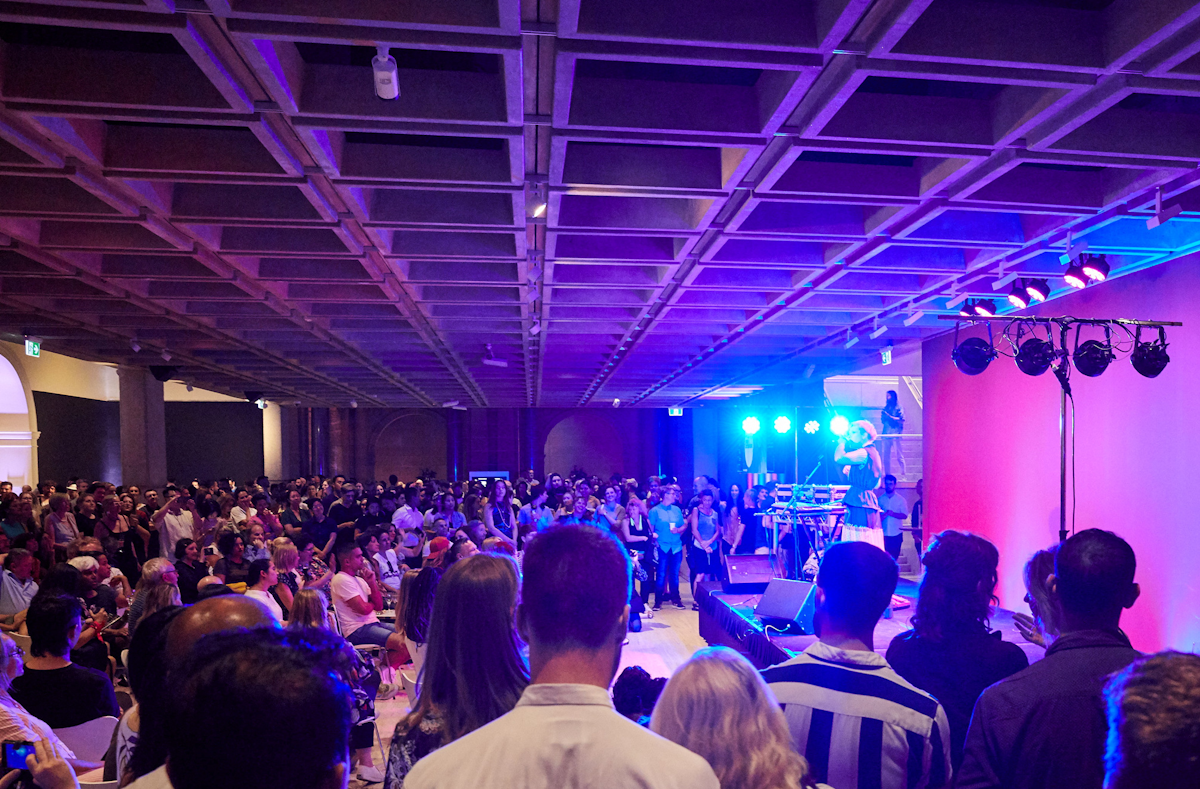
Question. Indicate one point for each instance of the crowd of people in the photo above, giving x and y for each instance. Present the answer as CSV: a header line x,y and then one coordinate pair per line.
x,y
254,626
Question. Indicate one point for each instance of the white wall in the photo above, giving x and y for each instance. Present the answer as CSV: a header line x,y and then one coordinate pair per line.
x,y
64,375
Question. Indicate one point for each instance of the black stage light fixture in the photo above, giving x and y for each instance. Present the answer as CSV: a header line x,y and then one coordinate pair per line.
x,y
1092,357
1035,356
967,308
1019,298
1150,358
253,396
1075,276
1038,289
985,307
1096,267
973,355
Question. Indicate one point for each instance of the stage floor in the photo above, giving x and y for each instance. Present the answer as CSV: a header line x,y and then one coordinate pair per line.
x,y
729,619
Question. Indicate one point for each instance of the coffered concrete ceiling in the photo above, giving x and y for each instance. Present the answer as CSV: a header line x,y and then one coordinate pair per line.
x,y
734,188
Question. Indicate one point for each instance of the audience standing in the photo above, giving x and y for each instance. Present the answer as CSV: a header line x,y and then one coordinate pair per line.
x,y
1153,710
473,672
858,722
718,706
668,525
1044,727
951,652
564,730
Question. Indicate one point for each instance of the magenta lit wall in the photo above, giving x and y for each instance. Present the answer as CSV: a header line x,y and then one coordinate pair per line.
x,y
991,453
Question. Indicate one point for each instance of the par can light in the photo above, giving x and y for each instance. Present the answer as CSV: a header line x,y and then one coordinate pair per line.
x,y
1019,298
1150,358
1092,357
839,425
1038,289
973,355
812,426
1035,356
751,425
1075,276
1096,267
782,424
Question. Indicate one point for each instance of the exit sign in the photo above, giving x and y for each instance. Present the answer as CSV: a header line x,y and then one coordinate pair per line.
x,y
885,354
675,411
33,347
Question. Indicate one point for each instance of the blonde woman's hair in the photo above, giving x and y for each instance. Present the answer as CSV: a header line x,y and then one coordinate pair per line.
x,y
284,554
718,706
160,597
309,609
866,427
153,572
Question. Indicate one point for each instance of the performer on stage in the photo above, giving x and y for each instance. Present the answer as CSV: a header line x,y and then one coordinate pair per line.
x,y
864,467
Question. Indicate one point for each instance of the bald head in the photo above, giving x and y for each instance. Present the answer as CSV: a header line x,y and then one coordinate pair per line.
x,y
214,615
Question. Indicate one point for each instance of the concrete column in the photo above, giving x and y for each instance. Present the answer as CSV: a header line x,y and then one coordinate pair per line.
x,y
143,429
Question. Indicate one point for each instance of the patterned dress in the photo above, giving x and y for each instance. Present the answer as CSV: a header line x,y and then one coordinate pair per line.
x,y
409,747
862,507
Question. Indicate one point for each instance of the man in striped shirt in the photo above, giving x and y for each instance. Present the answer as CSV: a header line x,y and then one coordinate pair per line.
x,y
859,724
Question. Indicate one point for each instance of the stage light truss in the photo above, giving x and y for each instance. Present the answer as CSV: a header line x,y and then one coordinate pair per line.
x,y
1113,338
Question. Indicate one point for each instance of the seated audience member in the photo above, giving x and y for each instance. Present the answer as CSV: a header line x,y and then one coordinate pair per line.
x,y
285,558
232,568
17,586
97,595
1040,625
564,730
438,548
718,706
147,649
856,720
474,671
356,598
1154,723
629,692
232,687
259,582
218,614
89,650
52,688
391,567
309,609
951,652
16,723
155,573
1044,727
314,572
189,568
418,614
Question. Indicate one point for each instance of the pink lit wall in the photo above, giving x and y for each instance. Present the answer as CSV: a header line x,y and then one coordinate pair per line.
x,y
992,456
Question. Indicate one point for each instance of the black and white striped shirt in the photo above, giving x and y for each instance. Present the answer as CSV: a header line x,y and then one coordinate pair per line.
x,y
859,723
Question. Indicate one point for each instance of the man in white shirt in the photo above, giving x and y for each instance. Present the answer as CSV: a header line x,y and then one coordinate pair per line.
x,y
408,517
175,521
356,598
894,513
564,731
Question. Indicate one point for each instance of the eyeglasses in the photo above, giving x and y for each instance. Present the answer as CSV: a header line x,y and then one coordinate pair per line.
x,y
18,653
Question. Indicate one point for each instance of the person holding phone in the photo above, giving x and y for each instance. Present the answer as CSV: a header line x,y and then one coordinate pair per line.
x,y
17,725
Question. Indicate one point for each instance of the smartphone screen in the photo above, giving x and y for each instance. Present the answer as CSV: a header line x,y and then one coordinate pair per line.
x,y
15,754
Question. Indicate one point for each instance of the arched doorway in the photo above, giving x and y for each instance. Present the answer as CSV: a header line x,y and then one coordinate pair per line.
x,y
587,439
410,443
17,456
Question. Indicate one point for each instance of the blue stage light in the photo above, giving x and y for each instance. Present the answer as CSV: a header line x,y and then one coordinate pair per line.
x,y
812,426
782,424
751,425
840,425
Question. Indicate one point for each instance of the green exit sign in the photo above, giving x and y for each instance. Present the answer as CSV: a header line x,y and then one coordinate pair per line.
x,y
675,411
33,348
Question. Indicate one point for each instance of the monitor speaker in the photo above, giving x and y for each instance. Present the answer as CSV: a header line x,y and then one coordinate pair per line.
x,y
748,573
793,602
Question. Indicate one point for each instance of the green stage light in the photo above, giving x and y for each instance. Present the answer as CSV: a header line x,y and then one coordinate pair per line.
x,y
782,424
751,425
839,425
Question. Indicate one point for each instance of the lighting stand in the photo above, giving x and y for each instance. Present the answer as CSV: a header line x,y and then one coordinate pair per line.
x,y
1062,373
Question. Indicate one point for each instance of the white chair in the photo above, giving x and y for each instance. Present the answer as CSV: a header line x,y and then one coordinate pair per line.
x,y
24,642
408,679
89,741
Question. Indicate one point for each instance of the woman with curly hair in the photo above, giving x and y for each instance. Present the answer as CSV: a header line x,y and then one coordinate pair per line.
x,y
952,652
718,706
